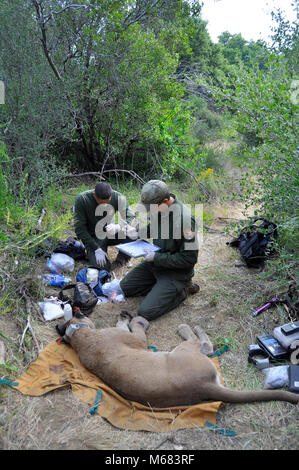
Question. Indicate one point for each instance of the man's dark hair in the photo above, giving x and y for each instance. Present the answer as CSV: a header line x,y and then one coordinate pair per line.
x,y
103,190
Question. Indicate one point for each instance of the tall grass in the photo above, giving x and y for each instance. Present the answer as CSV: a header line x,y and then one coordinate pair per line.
x,y
19,217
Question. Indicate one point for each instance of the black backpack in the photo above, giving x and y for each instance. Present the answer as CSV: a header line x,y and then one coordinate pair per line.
x,y
83,297
72,248
255,242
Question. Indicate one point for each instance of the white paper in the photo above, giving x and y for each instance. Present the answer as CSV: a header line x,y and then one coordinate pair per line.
x,y
137,248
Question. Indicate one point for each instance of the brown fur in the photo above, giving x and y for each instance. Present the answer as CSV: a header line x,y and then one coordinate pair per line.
x,y
183,376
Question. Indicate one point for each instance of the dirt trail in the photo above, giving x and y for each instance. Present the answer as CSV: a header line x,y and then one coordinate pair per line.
x,y
228,294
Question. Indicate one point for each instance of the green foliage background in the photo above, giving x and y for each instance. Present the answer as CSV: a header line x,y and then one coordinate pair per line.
x,y
139,86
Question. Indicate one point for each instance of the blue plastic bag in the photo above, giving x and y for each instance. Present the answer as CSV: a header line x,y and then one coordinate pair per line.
x,y
104,276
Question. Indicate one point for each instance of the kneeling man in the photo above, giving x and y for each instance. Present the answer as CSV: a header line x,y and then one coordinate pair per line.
x,y
164,275
94,211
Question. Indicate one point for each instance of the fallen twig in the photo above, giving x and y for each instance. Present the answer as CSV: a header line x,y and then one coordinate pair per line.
x,y
212,230
28,324
29,327
227,218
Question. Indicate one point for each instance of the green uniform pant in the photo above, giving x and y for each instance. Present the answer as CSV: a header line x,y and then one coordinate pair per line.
x,y
104,245
162,293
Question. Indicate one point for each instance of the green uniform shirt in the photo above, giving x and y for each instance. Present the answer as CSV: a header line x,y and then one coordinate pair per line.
x,y
86,218
177,257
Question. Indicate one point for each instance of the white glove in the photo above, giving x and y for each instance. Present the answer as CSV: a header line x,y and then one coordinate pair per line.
x,y
131,232
101,257
149,255
112,229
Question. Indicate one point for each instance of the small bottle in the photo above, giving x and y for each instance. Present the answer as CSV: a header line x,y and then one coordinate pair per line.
x,y
58,280
67,312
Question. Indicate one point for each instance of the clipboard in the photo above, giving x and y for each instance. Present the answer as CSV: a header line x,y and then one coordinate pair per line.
x,y
137,248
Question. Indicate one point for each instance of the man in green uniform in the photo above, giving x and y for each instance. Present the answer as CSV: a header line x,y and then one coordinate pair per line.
x,y
164,275
94,211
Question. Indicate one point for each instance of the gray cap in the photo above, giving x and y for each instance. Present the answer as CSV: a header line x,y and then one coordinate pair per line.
x,y
154,192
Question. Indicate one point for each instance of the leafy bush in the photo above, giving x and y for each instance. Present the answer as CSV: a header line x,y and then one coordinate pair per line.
x,y
266,115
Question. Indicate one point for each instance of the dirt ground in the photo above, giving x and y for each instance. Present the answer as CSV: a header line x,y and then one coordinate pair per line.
x,y
228,294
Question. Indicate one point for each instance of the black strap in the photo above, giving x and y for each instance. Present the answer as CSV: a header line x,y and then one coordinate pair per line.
x,y
69,286
62,296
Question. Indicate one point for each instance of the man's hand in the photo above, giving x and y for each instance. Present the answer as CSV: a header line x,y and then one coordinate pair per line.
x,y
112,229
130,232
101,257
149,255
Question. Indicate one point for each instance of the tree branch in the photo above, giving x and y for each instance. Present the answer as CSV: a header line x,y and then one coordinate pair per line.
x,y
89,173
99,174
131,172
72,5
139,14
42,24
206,193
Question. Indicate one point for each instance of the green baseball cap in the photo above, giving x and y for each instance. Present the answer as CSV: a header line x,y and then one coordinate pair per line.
x,y
154,192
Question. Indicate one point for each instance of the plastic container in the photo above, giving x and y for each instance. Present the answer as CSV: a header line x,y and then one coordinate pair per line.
x,y
58,280
285,340
67,312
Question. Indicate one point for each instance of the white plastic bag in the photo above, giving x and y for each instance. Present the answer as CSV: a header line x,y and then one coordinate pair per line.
x,y
113,291
276,377
51,309
63,262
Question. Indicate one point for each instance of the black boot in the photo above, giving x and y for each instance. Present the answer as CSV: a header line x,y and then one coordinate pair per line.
x,y
192,288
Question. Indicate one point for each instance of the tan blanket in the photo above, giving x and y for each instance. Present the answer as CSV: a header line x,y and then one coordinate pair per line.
x,y
58,366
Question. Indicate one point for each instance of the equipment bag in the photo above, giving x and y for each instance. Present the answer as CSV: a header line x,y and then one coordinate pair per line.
x,y
104,276
255,242
72,248
83,297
